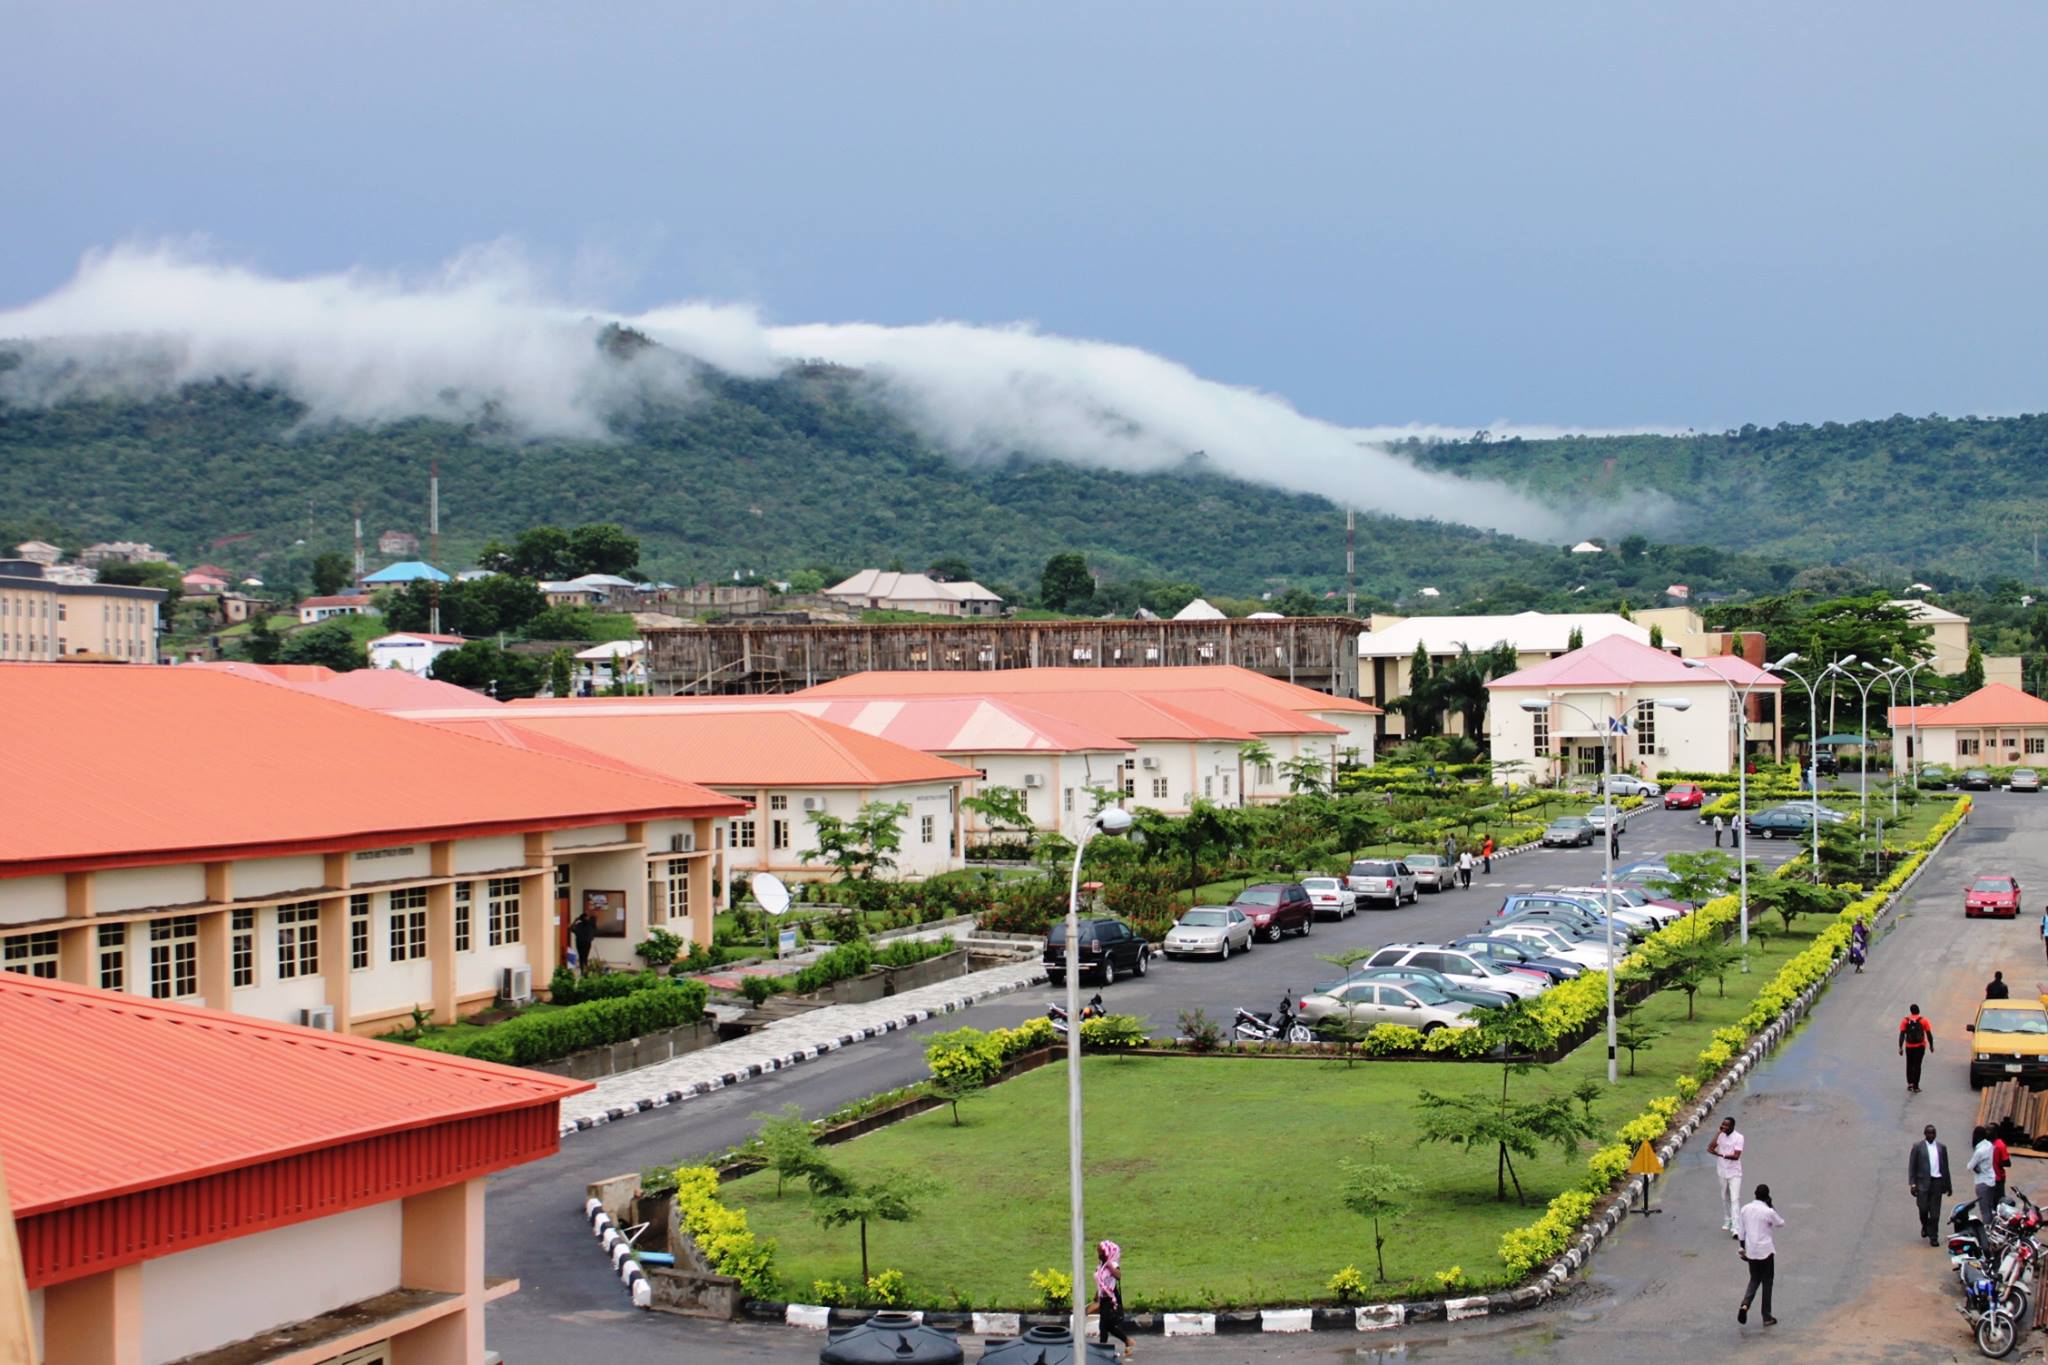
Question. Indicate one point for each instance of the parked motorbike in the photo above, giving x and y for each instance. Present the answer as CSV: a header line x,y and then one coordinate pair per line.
x,y
1058,1013
1252,1027
1995,1329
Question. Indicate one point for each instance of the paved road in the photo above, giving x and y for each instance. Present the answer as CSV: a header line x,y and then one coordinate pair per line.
x,y
570,1304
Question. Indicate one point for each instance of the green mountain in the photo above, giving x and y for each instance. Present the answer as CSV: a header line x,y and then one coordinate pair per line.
x,y
760,476
1936,498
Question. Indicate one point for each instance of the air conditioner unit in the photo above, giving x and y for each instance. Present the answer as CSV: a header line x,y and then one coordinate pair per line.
x,y
814,803
1033,781
1663,753
516,985
1150,764
318,1016
683,843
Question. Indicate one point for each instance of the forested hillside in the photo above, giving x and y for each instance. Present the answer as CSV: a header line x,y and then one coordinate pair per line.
x,y
767,477
1938,498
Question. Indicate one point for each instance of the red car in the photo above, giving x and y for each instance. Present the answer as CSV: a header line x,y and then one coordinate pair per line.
x,y
1276,908
1992,894
1684,796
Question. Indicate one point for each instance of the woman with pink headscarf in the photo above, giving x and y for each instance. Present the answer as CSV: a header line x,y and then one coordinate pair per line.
x,y
1109,1294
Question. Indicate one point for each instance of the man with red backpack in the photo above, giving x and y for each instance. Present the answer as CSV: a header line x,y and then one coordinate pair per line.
x,y
1916,1040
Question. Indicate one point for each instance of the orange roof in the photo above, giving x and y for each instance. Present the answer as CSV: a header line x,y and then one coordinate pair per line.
x,y
157,765
739,748
1994,704
1016,681
204,1091
377,689
937,725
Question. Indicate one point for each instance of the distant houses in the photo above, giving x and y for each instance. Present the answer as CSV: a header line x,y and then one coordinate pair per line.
x,y
880,590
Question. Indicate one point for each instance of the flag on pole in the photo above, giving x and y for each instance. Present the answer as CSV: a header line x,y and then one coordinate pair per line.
x,y
1617,725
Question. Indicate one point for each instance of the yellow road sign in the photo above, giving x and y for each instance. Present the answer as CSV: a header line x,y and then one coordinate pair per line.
x,y
1646,1162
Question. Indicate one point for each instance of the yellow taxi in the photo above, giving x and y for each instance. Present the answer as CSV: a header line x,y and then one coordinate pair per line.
x,y
2009,1042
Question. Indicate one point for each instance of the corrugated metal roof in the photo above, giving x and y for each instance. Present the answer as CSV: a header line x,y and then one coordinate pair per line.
x,y
1617,661
936,725
139,765
1994,704
107,1093
1019,683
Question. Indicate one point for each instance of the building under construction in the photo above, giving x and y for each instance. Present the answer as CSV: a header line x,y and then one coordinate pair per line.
x,y
1319,652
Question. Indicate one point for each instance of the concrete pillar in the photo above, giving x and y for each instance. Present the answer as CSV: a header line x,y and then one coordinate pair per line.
x,y
701,871
214,979
97,1318
78,895
444,1252
334,968
539,928
78,955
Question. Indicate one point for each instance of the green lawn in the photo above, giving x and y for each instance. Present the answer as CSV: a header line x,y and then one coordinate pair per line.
x,y
1216,1176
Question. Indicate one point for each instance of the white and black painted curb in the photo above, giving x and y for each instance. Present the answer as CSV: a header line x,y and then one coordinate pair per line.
x,y
783,1061
1382,1316
621,1253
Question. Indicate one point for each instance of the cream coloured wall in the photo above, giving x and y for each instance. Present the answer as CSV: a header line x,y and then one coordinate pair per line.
x,y
24,900
624,871
490,855
35,1321
207,1297
481,968
590,837
145,888
373,865
1697,739
255,877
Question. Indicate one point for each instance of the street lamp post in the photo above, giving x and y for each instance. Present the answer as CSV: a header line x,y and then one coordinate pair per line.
x,y
1863,687
1912,705
1608,731
1108,820
1812,749
1891,682
1739,723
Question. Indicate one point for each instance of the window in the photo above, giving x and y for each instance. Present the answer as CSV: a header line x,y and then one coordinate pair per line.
x,y
743,834
31,955
1265,774
1159,789
778,834
298,939
409,924
174,957
502,924
463,920
1069,801
113,964
778,803
927,828
668,891
1540,730
241,949
1208,787
1965,746
2036,744
359,933
63,611
1130,779
1646,726
1226,786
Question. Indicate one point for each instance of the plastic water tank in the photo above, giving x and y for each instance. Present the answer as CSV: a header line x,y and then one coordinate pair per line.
x,y
891,1337
1045,1346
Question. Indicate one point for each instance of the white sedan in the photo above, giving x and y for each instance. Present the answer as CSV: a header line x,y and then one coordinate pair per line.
x,y
1333,899
1209,931
1625,784
1556,944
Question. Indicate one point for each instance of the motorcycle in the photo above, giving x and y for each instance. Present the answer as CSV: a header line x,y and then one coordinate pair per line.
x,y
1252,1027
1058,1014
1995,1329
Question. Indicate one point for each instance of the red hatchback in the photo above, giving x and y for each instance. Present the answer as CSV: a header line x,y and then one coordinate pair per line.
x,y
1684,796
1992,894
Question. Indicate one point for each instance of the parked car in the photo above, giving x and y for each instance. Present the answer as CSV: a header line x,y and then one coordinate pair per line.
x,y
1209,931
1975,780
1583,915
1109,949
1827,765
1632,906
1432,871
1627,784
1332,898
2009,1041
1365,1003
1568,831
1463,969
1642,871
1464,995
1600,817
1514,952
1276,908
1993,893
1553,941
1387,880
1934,777
2023,780
1819,810
1685,796
1780,823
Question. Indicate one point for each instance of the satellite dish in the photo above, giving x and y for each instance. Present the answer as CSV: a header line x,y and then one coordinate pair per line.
x,y
769,892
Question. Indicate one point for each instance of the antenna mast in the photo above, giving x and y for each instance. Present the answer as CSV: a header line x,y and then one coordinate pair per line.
x,y
434,545
1350,562
359,542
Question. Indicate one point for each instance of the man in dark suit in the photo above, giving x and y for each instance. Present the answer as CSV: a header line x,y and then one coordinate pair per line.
x,y
1927,1176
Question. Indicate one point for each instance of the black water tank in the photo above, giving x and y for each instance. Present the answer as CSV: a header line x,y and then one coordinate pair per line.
x,y
1045,1346
891,1337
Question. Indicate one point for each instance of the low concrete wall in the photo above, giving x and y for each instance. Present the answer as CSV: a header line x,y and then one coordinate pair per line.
x,y
591,1063
887,981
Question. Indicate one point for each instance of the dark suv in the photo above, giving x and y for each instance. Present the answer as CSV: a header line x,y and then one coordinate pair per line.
x,y
1109,948
1276,907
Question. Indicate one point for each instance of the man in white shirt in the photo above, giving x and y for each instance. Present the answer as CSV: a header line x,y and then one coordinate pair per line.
x,y
1754,1226
1726,1149
1984,1175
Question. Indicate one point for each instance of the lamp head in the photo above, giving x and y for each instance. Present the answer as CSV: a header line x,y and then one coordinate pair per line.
x,y
1113,820
1789,659
1844,663
1675,703
1535,704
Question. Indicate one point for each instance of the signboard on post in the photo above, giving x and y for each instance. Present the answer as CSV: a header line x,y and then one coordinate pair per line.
x,y
785,943
1646,1162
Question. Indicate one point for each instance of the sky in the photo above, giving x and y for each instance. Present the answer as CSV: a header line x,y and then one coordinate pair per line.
x,y
1459,216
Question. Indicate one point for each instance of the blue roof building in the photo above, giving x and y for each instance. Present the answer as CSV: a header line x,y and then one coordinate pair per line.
x,y
403,572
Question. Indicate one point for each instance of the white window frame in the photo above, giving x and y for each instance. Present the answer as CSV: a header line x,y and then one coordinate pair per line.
x,y
927,829
409,924
174,957
241,949
502,907
361,956
31,954
298,940
743,833
465,917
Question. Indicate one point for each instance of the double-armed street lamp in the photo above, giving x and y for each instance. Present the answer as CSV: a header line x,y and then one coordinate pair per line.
x,y
1912,705
1739,723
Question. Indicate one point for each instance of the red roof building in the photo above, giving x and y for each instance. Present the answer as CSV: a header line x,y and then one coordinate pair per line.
x,y
1996,724
166,1163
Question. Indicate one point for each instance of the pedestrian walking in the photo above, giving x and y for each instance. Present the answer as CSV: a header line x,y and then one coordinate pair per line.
x,y
2044,931
1719,828
1758,1219
1726,1149
1916,1040
1486,856
1465,870
1996,989
1450,851
1859,945
1109,1294
1983,1174
1614,836
584,931
1927,1178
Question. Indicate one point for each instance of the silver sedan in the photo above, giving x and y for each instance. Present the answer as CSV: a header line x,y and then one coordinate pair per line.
x,y
1209,931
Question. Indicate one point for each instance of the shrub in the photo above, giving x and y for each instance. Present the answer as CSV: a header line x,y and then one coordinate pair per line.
x,y
1347,1284
721,1233
531,1038
568,989
1386,1039
757,989
1114,1030
1458,1042
1525,1248
660,948
887,1289
1202,1033
1452,1278
1054,1288
831,1293
965,1056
